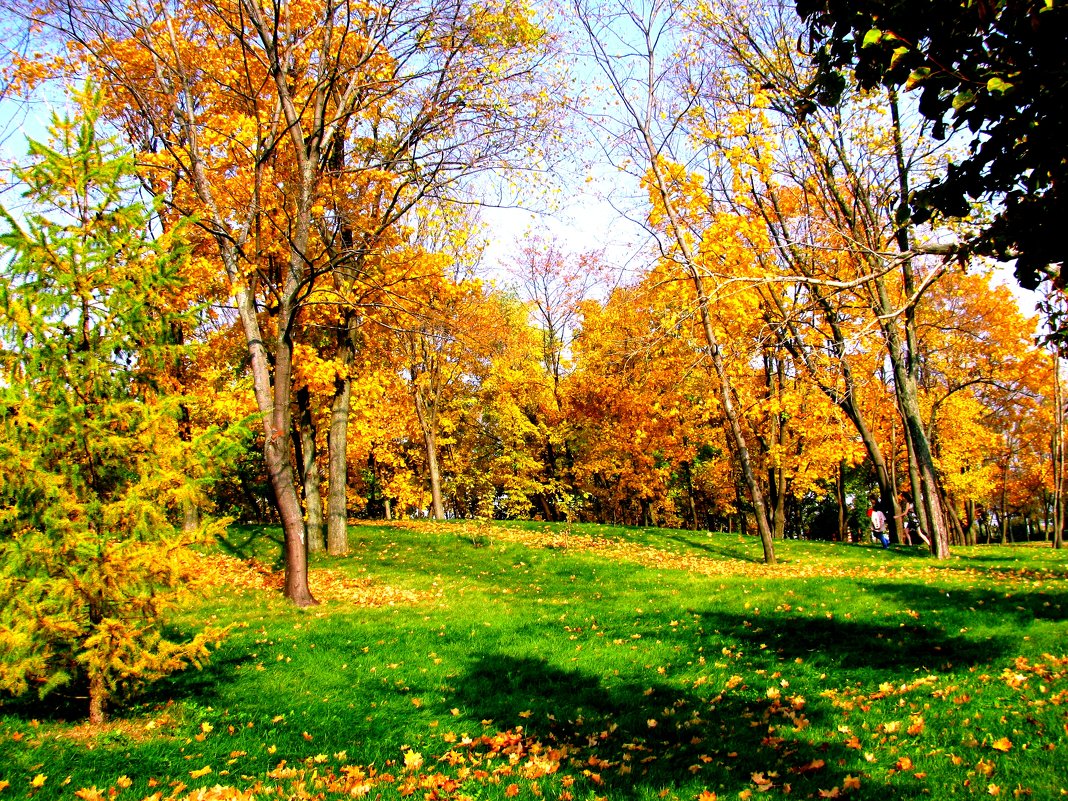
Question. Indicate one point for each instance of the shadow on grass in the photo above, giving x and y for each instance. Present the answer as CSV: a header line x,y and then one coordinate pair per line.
x,y
629,740
893,649
1014,608
253,542
695,543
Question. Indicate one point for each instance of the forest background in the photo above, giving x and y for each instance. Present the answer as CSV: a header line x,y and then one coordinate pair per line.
x,y
786,348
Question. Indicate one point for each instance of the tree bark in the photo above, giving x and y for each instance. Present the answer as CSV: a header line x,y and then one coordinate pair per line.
x,y
98,695
337,529
428,424
306,452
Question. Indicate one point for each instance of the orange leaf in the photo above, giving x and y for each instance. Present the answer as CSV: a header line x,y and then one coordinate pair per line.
x,y
511,791
1002,744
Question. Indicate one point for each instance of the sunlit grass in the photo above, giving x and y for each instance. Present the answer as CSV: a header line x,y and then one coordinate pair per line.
x,y
619,663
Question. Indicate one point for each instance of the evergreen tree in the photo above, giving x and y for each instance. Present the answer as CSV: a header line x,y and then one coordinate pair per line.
x,y
92,468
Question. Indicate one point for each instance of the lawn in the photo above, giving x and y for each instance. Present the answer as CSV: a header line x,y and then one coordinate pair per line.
x,y
493,661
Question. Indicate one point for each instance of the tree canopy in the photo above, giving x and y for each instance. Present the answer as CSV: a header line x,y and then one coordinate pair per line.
x,y
992,70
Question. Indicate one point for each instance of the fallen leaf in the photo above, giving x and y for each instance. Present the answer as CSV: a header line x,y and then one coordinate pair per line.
x,y
1002,744
413,760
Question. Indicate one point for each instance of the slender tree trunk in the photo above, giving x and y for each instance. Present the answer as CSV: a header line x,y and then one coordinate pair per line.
x,y
1058,453
427,424
687,477
840,492
337,528
273,391
306,452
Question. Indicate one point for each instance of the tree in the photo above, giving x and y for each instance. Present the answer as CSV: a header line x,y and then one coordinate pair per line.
x,y
299,135
94,468
630,46
993,70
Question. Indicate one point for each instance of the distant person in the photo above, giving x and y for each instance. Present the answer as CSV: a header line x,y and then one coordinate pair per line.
x,y
908,513
878,527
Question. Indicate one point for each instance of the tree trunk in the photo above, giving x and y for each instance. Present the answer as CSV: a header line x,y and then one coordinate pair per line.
x,y
427,424
337,528
687,476
306,452
840,493
98,696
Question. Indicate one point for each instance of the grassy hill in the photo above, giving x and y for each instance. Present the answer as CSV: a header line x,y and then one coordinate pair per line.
x,y
493,661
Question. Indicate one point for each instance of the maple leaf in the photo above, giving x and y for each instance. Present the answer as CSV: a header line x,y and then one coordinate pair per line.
x,y
89,794
832,793
1002,744
993,789
413,760
905,763
38,780
511,791
707,795
851,783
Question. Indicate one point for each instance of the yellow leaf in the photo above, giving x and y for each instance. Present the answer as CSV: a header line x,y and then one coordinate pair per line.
x,y
38,780
413,760
204,771
1002,744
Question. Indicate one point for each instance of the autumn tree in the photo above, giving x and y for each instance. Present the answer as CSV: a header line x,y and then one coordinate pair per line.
x,y
553,283
92,550
639,48
298,134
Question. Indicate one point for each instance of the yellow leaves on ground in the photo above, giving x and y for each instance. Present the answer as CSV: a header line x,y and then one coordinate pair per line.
x,y
326,584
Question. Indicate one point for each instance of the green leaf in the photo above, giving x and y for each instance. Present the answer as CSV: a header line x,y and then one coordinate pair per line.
x,y
963,99
998,85
872,37
898,54
916,77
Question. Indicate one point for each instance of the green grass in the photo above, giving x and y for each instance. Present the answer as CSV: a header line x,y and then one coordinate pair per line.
x,y
654,664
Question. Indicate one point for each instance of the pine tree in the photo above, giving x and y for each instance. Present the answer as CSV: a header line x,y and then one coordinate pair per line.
x,y
92,467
